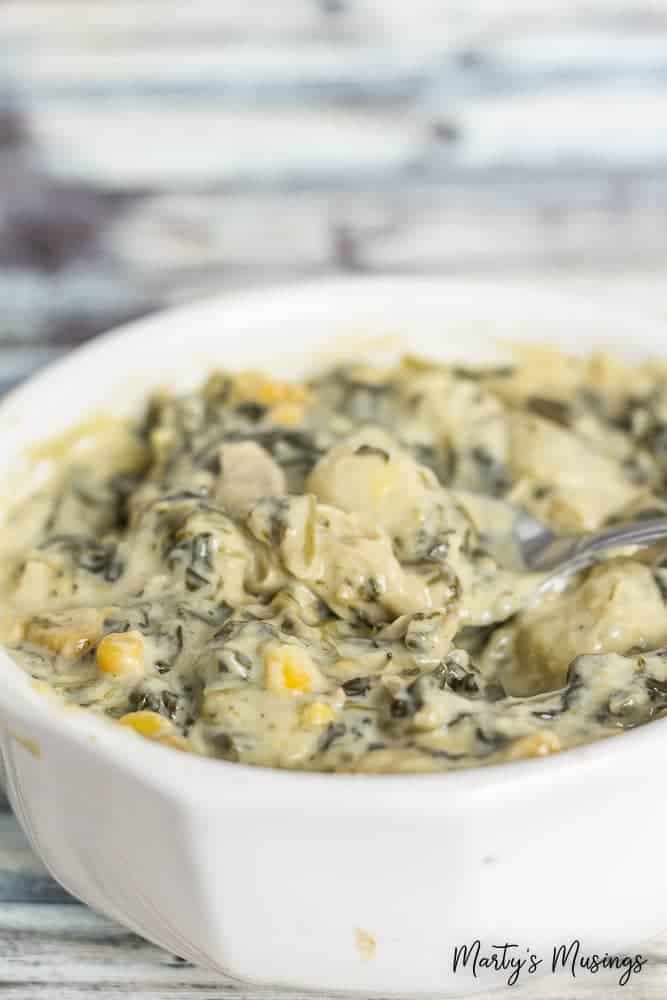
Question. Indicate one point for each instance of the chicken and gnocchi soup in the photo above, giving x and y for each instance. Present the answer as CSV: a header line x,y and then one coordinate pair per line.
x,y
313,575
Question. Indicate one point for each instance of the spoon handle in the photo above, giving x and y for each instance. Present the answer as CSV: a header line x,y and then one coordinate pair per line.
x,y
569,554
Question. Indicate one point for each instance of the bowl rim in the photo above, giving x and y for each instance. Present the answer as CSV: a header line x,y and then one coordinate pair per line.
x,y
192,774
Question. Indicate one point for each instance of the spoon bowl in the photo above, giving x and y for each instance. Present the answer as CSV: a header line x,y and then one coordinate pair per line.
x,y
543,551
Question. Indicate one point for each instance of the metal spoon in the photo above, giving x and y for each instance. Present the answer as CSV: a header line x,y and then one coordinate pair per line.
x,y
543,551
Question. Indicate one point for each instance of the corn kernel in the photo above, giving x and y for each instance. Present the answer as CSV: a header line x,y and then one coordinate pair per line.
x,y
70,634
255,387
538,744
153,726
318,713
148,724
288,414
290,670
121,654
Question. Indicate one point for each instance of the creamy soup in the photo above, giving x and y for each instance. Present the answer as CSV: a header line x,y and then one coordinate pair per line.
x,y
319,575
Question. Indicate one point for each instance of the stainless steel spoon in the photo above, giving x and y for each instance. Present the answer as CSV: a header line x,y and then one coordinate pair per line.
x,y
543,551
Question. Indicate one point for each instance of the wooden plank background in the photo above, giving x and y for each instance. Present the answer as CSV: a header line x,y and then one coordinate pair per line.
x,y
152,151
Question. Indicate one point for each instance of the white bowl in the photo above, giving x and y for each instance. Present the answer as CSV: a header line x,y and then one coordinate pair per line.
x,y
289,878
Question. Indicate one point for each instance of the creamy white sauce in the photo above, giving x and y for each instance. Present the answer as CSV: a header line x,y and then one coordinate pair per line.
x,y
321,576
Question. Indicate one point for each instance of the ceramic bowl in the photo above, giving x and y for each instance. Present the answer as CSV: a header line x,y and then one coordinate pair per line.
x,y
334,882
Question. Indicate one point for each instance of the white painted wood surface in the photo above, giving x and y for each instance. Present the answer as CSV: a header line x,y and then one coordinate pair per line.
x,y
152,151
155,151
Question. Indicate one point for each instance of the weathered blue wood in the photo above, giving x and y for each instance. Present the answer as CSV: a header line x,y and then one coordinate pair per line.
x,y
324,73
269,75
23,878
18,887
